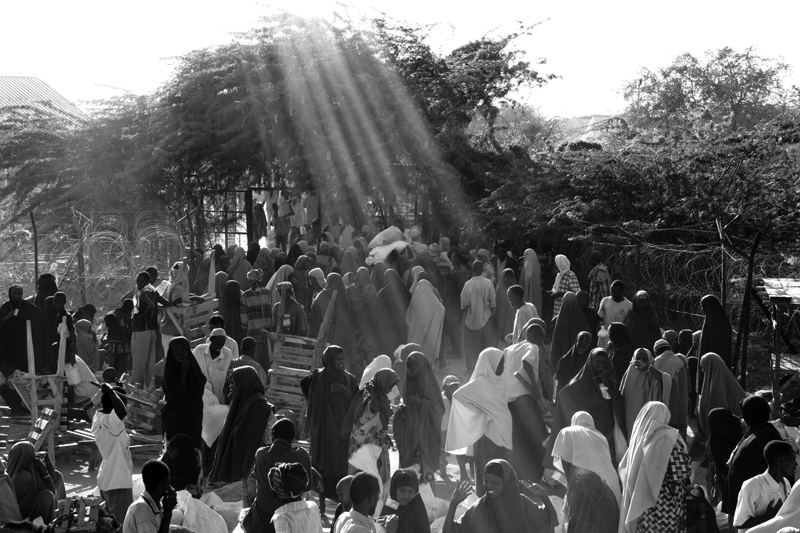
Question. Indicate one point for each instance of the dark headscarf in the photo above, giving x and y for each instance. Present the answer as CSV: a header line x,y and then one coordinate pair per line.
x,y
220,279
572,362
230,310
569,323
300,283
622,354
29,486
361,293
412,517
391,305
643,324
725,432
341,330
183,469
510,512
244,426
183,409
716,332
47,287
377,275
374,394
349,263
252,252
294,252
684,342
417,427
281,260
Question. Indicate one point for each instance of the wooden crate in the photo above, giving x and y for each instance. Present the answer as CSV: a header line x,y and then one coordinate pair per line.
x,y
77,515
195,317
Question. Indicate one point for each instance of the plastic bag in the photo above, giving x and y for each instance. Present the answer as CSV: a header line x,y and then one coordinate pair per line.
x,y
73,376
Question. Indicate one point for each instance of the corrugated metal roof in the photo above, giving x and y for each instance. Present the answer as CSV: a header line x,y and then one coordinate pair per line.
x,y
34,93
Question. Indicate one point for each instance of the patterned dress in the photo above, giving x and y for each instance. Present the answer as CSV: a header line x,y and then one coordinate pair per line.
x,y
591,506
485,451
370,430
669,513
256,315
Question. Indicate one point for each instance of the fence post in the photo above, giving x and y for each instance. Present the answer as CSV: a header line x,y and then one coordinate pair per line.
x,y
35,252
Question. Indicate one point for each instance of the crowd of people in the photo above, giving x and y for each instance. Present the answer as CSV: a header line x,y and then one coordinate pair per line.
x,y
561,383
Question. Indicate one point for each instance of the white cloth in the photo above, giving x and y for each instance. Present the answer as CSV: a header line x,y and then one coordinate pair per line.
x,y
380,253
379,363
297,517
200,517
425,320
112,440
562,264
581,445
480,408
521,317
478,297
611,311
755,496
388,236
788,515
215,370
514,355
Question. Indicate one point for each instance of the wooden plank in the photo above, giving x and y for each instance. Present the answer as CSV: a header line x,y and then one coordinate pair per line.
x,y
323,331
32,371
141,412
298,373
197,320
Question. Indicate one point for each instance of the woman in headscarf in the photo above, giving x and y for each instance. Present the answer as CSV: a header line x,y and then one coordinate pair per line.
x,y
724,433
643,383
294,252
655,473
571,362
594,390
324,260
425,319
592,318
361,295
201,278
176,292
620,347
409,507
376,277
13,334
220,279
280,260
299,280
379,363
747,460
593,489
316,279
642,322
566,281
720,389
504,313
282,274
349,263
715,337
418,422
367,419
569,323
239,267
390,308
253,249
266,263
245,426
330,392
361,257
479,415
230,310
530,277
33,482
183,385
341,330
183,461
503,508
85,348
411,278
46,287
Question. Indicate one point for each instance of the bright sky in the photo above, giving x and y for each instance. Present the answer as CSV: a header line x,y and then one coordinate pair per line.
x,y
81,46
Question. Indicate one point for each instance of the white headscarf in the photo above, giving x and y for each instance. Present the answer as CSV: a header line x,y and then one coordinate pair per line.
x,y
562,264
583,446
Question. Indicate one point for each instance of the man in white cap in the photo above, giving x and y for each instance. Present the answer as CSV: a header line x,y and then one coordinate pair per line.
x,y
215,361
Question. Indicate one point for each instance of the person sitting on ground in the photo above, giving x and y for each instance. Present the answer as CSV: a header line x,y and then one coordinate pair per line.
x,y
763,495
246,357
345,504
152,512
114,478
35,481
288,481
406,503
365,491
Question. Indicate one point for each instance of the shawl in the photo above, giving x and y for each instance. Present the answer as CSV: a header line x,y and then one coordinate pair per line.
x,y
341,330
639,387
361,293
644,465
319,276
418,423
183,394
281,275
14,336
480,408
349,263
299,279
716,333
432,270
46,287
184,468
504,314
373,397
508,512
724,433
201,278
413,516
253,249
622,352
425,319
23,474
230,251
326,413
562,264
220,279
720,389
414,278
569,323
581,445
379,363
642,323
239,267
85,348
266,263
531,278
390,308
179,277
230,310
294,252
243,432
376,277
788,515
583,393
571,362
670,336
280,260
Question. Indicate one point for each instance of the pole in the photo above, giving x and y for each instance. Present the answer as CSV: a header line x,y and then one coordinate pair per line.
x,y
742,337
723,281
777,324
35,251
81,266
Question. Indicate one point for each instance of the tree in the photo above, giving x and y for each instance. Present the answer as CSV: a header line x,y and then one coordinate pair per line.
x,y
728,89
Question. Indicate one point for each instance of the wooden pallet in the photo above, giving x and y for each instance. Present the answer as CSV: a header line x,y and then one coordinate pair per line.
x,y
4,412
77,515
195,318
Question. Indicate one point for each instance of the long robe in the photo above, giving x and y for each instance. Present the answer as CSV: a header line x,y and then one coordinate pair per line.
x,y
530,278
417,426
341,330
569,323
14,337
299,280
391,305
643,324
716,333
425,319
725,432
622,352
411,517
642,386
362,297
183,395
504,313
571,362
243,432
230,310
239,267
326,413
678,368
